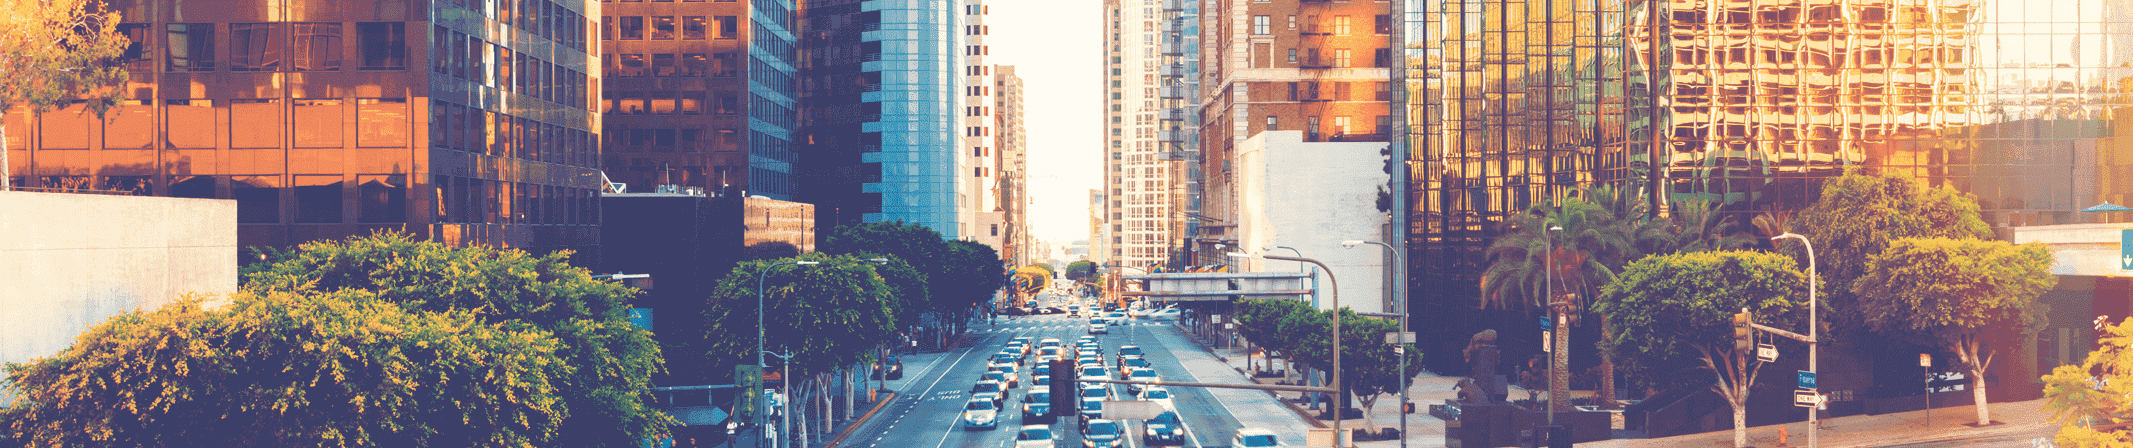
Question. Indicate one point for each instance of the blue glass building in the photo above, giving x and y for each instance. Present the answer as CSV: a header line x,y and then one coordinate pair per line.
x,y
877,132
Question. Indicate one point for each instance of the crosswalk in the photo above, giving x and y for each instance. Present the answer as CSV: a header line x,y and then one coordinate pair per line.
x,y
1025,326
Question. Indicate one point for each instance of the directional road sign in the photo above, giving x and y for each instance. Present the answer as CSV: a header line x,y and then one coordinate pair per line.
x,y
1807,380
1766,352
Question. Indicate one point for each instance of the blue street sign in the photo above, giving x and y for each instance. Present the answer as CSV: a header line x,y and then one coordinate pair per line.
x,y
642,318
2125,249
1547,323
1807,379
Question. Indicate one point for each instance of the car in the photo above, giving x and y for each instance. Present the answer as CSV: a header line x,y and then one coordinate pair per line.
x,y
1052,351
1137,312
1095,393
1041,369
1091,410
1100,433
1165,314
1255,438
1099,326
1164,428
1073,310
1129,351
995,375
1159,395
1127,366
1039,382
1004,357
1020,340
889,368
1048,342
1115,318
981,413
1015,311
1013,374
1141,375
1089,373
990,390
1036,403
1036,436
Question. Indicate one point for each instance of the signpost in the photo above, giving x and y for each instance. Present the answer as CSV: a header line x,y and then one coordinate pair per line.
x,y
1766,352
1547,322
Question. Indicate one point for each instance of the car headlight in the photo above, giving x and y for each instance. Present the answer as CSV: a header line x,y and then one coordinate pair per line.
x,y
1149,432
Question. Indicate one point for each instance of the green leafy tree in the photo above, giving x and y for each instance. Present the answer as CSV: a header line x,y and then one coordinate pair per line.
x,y
54,53
2094,401
1370,368
292,368
1080,270
1856,218
1271,323
1693,225
612,360
1953,291
1594,242
971,275
915,244
828,315
908,290
1672,316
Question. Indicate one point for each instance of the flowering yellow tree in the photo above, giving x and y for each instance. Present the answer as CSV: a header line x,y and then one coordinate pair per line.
x,y
56,52
2094,401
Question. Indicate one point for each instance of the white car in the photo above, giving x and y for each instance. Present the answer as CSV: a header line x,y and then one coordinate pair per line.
x,y
981,413
1160,396
1141,375
1115,318
1036,436
1166,313
1255,438
992,391
1099,327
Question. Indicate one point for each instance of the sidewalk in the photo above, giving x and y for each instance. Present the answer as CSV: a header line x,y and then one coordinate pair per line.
x,y
1251,408
2022,422
1422,430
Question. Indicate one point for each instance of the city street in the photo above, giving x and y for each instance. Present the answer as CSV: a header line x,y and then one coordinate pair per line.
x,y
933,394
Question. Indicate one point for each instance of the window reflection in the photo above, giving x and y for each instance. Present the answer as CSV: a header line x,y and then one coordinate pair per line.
x,y
258,198
384,45
191,46
318,123
382,122
136,56
693,27
318,199
663,28
255,123
66,128
256,47
135,185
316,46
629,28
383,198
202,187
189,124
129,126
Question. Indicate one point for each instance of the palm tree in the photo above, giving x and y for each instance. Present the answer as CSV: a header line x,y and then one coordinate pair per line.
x,y
1593,242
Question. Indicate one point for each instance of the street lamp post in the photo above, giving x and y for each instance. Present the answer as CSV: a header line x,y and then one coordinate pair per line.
x,y
760,276
1399,293
1548,274
1333,296
1814,342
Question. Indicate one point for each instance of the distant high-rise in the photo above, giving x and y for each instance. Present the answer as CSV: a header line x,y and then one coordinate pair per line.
x,y
1013,166
700,94
878,112
978,212
466,121
1150,147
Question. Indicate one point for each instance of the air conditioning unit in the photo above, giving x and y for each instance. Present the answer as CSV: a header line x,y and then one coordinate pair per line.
x,y
694,191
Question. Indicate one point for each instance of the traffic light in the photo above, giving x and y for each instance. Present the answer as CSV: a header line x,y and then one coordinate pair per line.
x,y
748,400
1065,401
1743,335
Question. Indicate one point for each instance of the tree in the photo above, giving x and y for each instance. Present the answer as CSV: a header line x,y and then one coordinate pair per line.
x,y
2094,401
1953,291
1080,270
1030,280
293,368
54,53
971,274
908,290
1672,315
1694,225
1593,243
769,250
1370,367
611,360
828,315
1271,323
1859,214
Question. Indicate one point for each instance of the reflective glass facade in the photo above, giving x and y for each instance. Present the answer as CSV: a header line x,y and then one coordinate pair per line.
x,y
1753,103
877,112
699,94
464,121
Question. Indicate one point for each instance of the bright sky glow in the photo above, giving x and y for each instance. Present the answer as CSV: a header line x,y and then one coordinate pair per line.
x,y
1055,47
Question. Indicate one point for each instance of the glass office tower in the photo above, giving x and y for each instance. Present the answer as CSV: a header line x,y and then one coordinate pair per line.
x,y
878,131
463,121
699,94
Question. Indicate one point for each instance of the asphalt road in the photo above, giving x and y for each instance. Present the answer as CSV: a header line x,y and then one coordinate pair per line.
x,y
933,393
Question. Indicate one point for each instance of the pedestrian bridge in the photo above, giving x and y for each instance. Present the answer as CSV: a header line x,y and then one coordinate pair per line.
x,y
1219,286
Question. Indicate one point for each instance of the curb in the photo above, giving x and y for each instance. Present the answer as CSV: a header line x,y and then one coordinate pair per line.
x,y
847,432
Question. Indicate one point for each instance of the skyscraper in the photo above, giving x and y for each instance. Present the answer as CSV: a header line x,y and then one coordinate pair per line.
x,y
465,121
978,211
1013,166
878,121
1143,143
700,94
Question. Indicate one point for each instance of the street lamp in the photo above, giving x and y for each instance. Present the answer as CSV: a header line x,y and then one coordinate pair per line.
x,y
784,389
1314,269
1548,274
1333,297
1813,325
759,277
1399,292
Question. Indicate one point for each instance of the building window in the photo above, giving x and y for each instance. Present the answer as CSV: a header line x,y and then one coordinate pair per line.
x,y
1383,58
385,45
256,47
1273,123
258,198
729,27
318,199
1260,25
1340,57
1340,26
191,46
1292,55
318,123
629,28
1384,25
317,47
663,28
1385,125
995,230
694,27
1340,124
1384,91
1340,91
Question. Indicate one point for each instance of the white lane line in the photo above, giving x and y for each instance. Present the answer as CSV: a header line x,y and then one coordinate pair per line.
x,y
936,383
1210,393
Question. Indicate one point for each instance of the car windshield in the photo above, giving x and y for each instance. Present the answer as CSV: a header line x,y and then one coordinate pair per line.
x,y
1092,372
1137,362
1035,434
1129,351
996,376
1144,373
980,405
1096,321
1097,392
1167,417
1103,429
987,387
1156,394
1038,397
1092,405
1259,440
1009,368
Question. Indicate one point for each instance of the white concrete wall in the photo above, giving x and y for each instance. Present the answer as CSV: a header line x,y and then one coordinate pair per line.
x,y
68,261
1312,196
2078,249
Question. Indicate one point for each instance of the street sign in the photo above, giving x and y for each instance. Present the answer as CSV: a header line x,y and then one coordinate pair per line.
x,y
641,317
1766,352
2125,249
1396,337
1925,360
1547,341
1805,398
1547,323
1807,380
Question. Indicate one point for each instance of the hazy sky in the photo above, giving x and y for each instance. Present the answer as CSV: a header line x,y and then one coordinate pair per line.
x,y
1056,47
